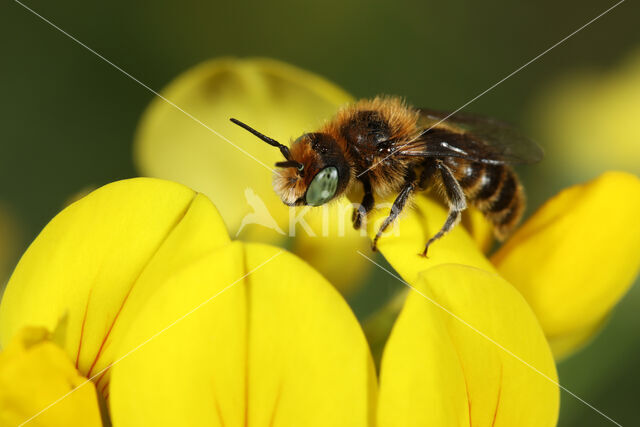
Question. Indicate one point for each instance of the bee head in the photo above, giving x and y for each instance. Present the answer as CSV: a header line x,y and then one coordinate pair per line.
x,y
314,171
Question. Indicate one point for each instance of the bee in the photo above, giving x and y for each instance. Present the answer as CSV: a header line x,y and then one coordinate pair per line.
x,y
389,147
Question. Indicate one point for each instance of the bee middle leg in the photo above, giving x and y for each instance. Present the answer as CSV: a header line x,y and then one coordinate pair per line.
x,y
456,200
367,203
409,187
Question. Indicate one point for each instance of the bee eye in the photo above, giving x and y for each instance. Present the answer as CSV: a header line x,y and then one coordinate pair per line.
x,y
323,187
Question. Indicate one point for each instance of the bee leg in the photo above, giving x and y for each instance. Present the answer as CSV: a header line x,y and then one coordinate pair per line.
x,y
365,207
456,200
408,188
430,168
452,220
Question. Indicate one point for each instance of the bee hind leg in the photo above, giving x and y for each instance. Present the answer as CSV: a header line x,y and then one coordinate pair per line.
x,y
452,219
456,200
365,207
398,204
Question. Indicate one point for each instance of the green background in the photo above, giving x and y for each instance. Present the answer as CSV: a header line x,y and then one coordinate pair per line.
x,y
67,118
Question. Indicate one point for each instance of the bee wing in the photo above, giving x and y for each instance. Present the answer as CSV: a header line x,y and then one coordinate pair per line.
x,y
469,136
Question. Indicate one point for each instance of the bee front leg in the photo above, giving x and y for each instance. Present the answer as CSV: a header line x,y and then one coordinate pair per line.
x,y
365,207
398,204
456,200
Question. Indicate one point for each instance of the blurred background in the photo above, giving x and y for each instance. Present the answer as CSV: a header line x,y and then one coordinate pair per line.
x,y
67,118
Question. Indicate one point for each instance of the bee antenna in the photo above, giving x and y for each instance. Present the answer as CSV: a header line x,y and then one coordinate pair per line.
x,y
283,148
290,164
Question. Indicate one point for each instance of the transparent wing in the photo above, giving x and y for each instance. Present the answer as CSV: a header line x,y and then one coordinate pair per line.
x,y
479,138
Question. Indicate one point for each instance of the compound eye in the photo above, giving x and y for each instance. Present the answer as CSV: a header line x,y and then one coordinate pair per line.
x,y
323,187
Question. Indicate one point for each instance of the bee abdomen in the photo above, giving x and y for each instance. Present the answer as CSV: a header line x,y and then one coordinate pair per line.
x,y
496,191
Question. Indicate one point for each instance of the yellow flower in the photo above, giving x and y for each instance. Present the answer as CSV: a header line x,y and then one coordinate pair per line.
x,y
589,120
572,261
577,257
174,323
466,350
177,325
283,102
133,257
34,373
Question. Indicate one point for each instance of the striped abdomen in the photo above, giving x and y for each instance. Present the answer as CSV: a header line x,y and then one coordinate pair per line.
x,y
494,189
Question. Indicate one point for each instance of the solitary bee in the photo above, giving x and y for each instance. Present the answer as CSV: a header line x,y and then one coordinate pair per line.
x,y
392,148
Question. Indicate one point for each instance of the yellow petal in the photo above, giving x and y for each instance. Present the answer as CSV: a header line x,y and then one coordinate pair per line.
x,y
34,373
100,259
278,99
479,228
281,101
403,243
270,343
576,257
332,249
437,370
402,246
605,100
